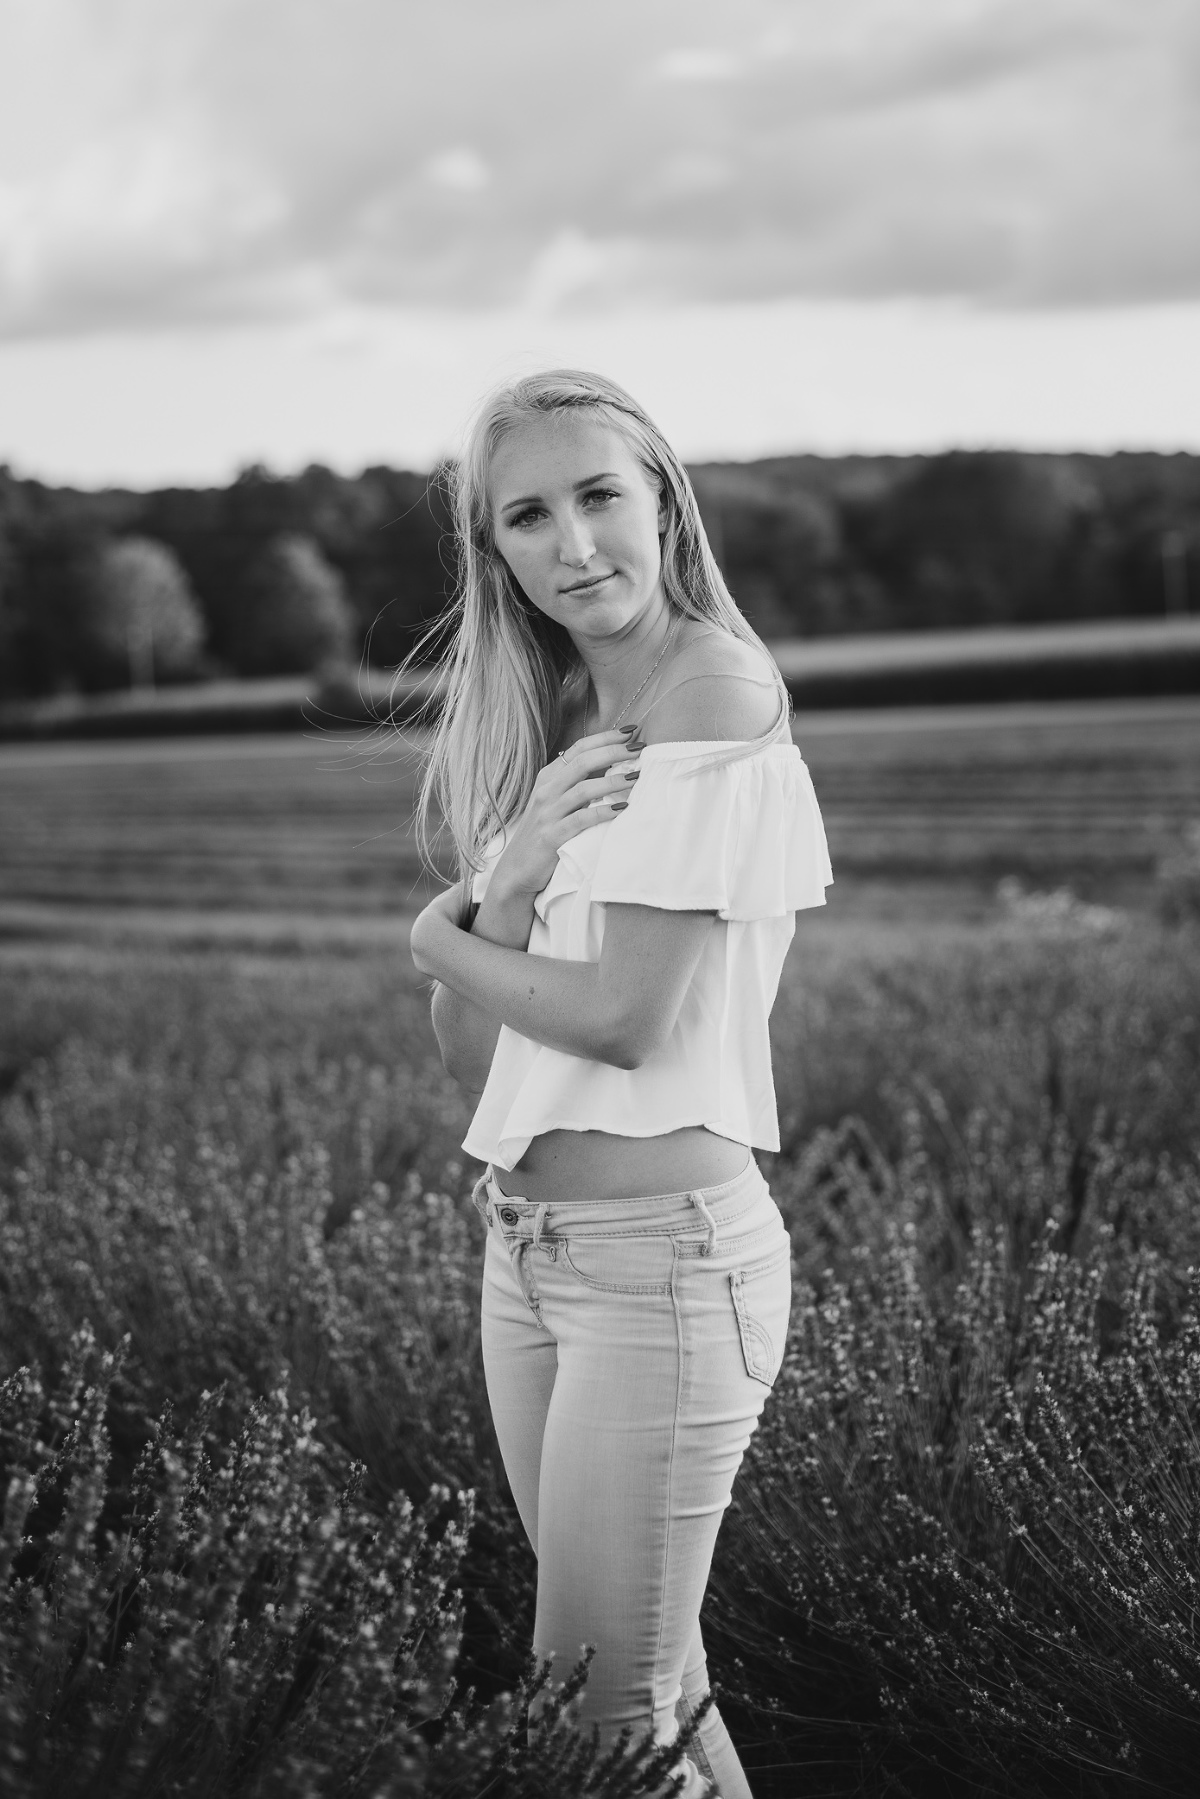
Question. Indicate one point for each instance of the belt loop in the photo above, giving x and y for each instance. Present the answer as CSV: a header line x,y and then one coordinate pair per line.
x,y
479,1197
539,1219
697,1199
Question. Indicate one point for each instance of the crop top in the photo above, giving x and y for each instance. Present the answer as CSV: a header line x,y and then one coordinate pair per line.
x,y
742,838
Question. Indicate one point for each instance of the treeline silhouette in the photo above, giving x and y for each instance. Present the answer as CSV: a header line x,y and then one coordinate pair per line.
x,y
277,574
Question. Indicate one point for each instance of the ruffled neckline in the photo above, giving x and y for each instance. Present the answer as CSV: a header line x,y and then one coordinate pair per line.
x,y
678,750
673,750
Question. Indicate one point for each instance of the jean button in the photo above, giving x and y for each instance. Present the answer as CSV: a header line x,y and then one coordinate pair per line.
x,y
508,1215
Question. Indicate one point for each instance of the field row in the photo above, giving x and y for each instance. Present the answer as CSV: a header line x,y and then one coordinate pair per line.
x,y
291,824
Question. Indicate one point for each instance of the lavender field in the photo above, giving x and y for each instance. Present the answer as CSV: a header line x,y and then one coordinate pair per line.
x,y
256,1537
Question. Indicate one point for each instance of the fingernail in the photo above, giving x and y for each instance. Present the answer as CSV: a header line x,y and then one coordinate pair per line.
x,y
635,743
627,730
619,805
633,774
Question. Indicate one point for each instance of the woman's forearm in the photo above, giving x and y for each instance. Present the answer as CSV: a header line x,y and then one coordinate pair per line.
x,y
562,1004
466,1033
466,1037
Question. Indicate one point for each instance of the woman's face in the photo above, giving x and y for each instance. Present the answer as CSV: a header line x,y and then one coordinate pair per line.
x,y
577,520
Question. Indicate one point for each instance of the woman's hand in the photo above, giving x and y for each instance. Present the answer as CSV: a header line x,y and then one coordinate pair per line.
x,y
584,786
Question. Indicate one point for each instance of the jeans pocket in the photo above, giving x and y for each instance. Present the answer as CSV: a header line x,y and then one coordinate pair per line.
x,y
630,1264
762,1304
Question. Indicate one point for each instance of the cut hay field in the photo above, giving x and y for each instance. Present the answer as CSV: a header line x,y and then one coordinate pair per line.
x,y
308,836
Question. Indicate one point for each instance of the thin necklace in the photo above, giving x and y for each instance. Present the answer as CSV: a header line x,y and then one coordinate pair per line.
x,y
641,690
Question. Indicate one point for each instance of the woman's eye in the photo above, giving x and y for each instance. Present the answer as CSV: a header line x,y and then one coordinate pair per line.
x,y
600,493
529,516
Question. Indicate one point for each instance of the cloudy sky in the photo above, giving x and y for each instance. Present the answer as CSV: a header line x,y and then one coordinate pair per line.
x,y
318,229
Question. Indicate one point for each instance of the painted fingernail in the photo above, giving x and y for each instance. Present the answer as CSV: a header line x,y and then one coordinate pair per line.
x,y
627,730
635,743
633,774
618,805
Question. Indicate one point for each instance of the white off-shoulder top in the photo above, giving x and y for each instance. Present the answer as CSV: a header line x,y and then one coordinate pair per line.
x,y
742,838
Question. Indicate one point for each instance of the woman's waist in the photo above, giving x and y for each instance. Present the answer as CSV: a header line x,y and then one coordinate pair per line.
x,y
565,1208
593,1166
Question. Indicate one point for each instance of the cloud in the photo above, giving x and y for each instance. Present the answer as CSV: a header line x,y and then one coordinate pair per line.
x,y
462,170
696,64
165,164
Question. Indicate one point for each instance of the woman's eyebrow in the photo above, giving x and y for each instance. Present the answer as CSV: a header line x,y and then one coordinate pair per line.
x,y
535,499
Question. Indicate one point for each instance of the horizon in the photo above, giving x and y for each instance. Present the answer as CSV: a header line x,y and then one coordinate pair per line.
x,y
270,473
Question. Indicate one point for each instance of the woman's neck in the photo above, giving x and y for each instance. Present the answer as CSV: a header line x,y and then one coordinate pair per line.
x,y
617,669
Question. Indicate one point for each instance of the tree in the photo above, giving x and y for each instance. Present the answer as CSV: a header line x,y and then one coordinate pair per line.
x,y
779,549
142,614
975,538
390,534
10,621
294,614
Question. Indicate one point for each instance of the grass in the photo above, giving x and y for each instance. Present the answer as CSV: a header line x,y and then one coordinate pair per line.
x,y
256,1536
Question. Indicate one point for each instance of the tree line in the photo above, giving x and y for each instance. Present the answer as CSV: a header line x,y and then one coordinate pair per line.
x,y
274,575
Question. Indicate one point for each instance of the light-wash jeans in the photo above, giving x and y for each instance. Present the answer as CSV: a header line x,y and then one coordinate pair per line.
x,y
629,1347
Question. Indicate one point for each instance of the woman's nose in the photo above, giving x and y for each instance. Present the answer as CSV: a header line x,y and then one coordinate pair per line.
x,y
575,543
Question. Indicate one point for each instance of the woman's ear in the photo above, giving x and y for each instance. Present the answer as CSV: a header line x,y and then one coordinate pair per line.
x,y
662,510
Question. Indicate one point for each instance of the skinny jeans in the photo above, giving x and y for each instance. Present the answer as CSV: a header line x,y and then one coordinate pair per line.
x,y
629,1347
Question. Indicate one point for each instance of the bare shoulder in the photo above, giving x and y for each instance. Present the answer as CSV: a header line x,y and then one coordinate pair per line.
x,y
716,688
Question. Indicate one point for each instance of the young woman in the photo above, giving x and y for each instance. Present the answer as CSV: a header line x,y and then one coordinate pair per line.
x,y
636,831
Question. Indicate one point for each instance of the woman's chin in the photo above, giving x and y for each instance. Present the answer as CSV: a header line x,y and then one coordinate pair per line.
x,y
608,615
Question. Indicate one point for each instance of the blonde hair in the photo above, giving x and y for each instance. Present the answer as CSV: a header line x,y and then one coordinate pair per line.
x,y
501,702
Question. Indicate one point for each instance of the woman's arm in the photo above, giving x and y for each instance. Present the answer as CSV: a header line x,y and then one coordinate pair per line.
x,y
466,1033
584,787
618,1010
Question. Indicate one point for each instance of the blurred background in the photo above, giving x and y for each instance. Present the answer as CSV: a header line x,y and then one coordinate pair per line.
x,y
914,287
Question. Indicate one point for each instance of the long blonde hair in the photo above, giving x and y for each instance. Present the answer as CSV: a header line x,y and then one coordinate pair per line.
x,y
500,705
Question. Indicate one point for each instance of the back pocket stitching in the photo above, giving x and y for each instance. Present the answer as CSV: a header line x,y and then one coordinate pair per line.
x,y
755,1338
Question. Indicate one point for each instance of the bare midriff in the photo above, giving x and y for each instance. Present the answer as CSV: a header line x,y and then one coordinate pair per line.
x,y
582,1165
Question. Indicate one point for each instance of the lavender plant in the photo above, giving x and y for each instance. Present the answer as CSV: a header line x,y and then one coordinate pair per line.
x,y
241,1624
257,1536
232,1625
974,1507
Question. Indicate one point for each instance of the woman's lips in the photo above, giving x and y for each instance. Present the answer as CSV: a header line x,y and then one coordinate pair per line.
x,y
586,587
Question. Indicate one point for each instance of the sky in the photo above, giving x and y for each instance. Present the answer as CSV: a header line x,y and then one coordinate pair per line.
x,y
318,230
